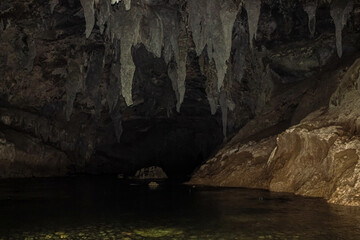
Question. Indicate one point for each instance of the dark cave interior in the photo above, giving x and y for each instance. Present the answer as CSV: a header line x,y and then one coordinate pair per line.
x,y
65,102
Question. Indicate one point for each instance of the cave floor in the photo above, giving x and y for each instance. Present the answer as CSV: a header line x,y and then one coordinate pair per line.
x,y
110,208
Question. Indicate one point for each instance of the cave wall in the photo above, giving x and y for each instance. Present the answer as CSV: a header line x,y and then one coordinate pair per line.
x,y
107,87
319,157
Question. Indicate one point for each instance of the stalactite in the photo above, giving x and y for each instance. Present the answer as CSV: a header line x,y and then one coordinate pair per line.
x,y
211,23
73,86
92,80
162,28
127,4
224,111
160,32
117,121
103,16
164,34
112,91
212,93
310,8
118,127
31,54
113,84
53,4
180,56
228,13
340,11
2,26
152,32
241,40
113,87
89,13
175,52
253,8
125,27
112,51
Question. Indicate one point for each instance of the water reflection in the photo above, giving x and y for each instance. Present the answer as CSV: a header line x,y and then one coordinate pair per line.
x,y
107,208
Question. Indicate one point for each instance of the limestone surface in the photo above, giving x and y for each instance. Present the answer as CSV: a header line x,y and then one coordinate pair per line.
x,y
153,172
319,157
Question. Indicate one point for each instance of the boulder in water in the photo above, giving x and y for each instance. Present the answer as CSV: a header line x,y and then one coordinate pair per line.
x,y
153,172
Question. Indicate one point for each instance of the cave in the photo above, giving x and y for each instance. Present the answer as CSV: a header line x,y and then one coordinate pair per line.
x,y
241,102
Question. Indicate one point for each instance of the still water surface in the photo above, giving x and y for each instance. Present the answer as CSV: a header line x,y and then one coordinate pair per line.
x,y
108,208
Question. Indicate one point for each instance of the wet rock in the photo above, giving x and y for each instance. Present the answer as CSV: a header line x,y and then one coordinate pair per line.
x,y
238,165
319,157
24,156
7,150
151,173
153,185
302,58
157,232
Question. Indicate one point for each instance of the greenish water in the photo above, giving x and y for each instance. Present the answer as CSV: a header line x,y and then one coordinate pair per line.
x,y
108,208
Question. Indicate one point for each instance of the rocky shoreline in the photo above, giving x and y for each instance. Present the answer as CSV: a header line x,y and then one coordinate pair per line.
x,y
319,157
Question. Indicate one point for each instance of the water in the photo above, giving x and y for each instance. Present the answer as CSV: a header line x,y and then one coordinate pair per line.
x,y
108,208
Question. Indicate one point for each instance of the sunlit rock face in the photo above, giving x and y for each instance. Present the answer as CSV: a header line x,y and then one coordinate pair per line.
x,y
340,11
112,86
319,157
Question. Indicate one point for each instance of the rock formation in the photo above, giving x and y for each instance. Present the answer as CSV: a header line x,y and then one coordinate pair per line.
x,y
319,157
340,11
150,173
109,86
310,8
